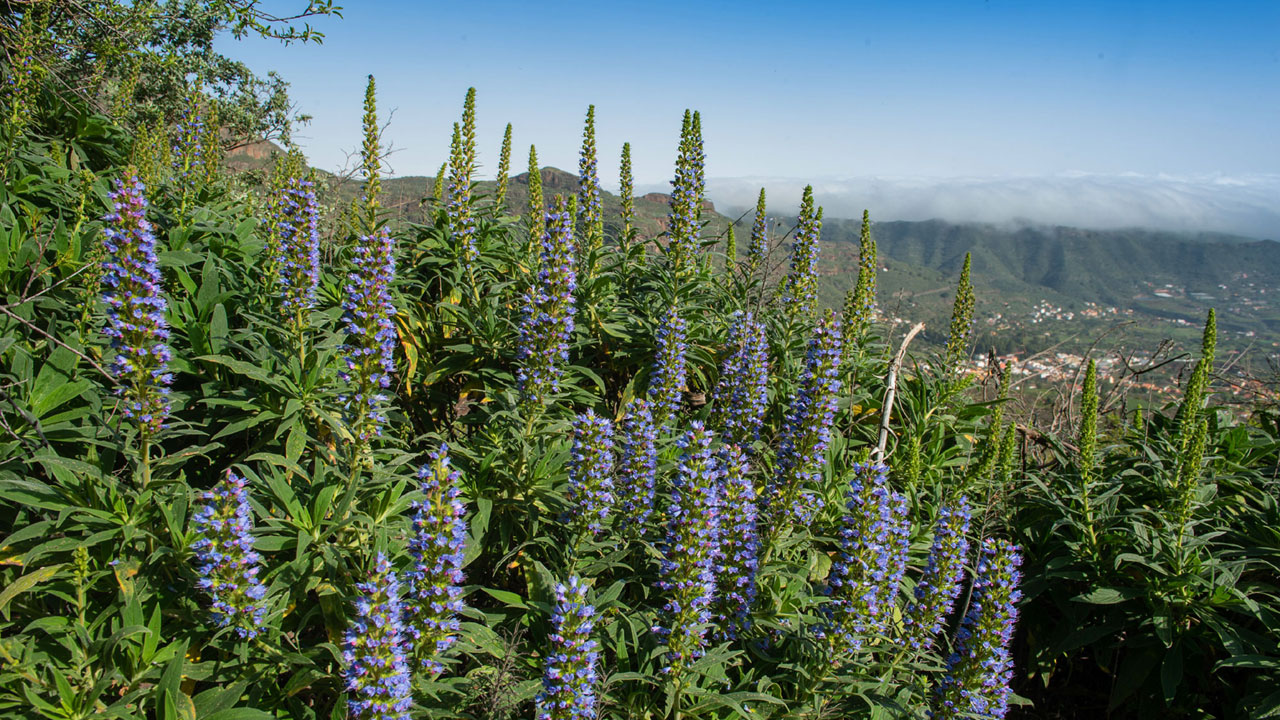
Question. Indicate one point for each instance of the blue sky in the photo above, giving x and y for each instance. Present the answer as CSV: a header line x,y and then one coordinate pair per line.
x,y
809,90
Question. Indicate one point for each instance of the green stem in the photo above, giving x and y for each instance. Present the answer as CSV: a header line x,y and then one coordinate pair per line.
x,y
144,459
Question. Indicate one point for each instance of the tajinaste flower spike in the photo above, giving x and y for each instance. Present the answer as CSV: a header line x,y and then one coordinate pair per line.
x,y
188,151
978,672
690,551
376,647
437,185
863,582
569,680
547,325
686,203
370,161
637,463
667,381
807,430
938,588
297,231
371,334
627,192
591,472
537,203
504,169
589,203
957,350
462,222
741,396
800,289
226,562
739,545
860,310
437,547
758,248
135,315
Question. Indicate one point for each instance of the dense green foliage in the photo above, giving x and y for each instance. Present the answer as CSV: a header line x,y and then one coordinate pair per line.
x,y
1164,531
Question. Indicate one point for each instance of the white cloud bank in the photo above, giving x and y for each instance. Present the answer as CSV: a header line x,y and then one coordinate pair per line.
x,y
1245,205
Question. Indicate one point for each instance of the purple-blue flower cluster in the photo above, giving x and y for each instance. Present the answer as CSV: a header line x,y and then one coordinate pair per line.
x,y
591,472
742,396
376,650
135,315
978,672
739,545
437,546
637,463
667,381
569,678
936,593
690,550
868,568
226,563
371,333
807,429
189,153
296,220
547,323
462,220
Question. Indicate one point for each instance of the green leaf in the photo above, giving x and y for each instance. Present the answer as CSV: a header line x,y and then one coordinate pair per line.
x,y
23,584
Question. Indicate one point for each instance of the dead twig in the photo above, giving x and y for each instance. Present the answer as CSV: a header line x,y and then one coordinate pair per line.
x,y
892,390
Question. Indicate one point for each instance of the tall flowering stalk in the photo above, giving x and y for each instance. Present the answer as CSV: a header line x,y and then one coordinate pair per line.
x,y
437,546
686,201
800,288
758,247
741,395
537,203
136,321
978,672
739,545
957,350
864,575
936,593
547,323
861,306
589,202
591,472
637,464
371,334
807,430
462,222
376,649
690,551
437,184
627,193
569,678
366,220
504,169
194,151
667,382
297,229
226,563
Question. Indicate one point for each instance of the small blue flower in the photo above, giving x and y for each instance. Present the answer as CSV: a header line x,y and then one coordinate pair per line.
x,y
437,547
226,562
376,648
371,334
978,673
591,471
136,321
569,679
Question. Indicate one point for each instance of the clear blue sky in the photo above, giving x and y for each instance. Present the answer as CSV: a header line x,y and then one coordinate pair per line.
x,y
808,89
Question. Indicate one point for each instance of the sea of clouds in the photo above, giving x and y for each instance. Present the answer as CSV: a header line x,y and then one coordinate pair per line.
x,y
1246,205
